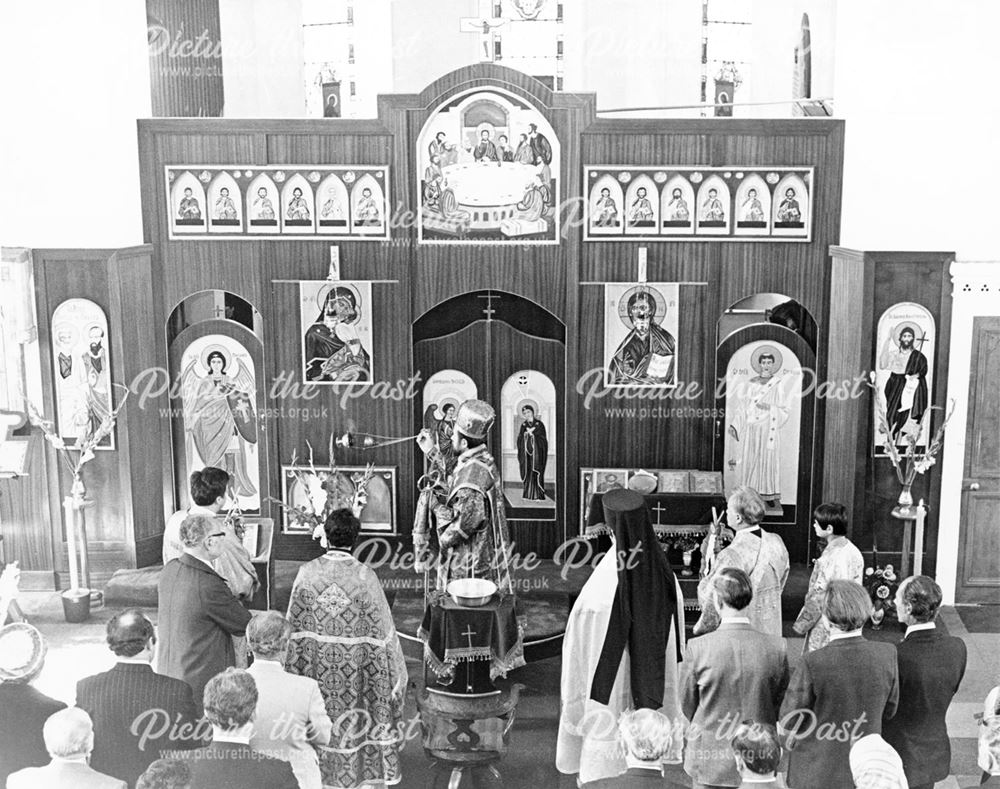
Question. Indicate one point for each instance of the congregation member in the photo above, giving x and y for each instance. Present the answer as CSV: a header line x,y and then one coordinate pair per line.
x,y
291,716
166,774
198,613
760,554
875,764
646,738
23,709
209,495
230,762
624,639
69,740
731,674
134,709
989,740
838,693
343,637
840,559
931,666
757,752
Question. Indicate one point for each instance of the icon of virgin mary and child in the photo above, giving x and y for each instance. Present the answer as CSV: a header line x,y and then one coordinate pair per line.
x,y
333,351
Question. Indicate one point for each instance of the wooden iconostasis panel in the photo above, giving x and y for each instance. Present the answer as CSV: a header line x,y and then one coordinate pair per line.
x,y
422,276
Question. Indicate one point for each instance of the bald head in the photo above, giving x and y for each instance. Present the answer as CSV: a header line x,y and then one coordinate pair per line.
x,y
68,734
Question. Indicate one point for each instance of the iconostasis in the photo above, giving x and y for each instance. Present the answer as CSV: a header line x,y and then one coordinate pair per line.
x,y
486,236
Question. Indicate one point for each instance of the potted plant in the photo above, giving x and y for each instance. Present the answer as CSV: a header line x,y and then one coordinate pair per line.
x,y
76,599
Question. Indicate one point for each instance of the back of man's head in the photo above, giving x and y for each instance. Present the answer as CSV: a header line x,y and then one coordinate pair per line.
x,y
733,587
129,632
208,485
646,734
165,774
923,595
68,734
756,745
230,699
195,528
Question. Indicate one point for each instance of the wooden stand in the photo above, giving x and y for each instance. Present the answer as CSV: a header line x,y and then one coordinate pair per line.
x,y
910,516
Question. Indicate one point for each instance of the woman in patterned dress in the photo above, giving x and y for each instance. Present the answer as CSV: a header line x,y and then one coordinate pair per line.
x,y
840,559
343,636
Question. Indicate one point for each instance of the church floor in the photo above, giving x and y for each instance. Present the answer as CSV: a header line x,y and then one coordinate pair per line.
x,y
78,650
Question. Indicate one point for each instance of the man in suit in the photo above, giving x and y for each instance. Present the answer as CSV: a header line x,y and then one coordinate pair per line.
x,y
647,737
838,693
23,710
732,674
757,753
198,613
931,667
229,762
69,738
136,713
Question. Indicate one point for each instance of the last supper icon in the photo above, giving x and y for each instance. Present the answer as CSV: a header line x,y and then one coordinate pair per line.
x,y
336,332
488,165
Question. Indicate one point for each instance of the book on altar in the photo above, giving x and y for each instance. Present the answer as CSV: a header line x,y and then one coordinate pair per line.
x,y
659,366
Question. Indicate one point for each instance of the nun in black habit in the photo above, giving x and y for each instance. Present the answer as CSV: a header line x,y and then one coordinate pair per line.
x,y
624,640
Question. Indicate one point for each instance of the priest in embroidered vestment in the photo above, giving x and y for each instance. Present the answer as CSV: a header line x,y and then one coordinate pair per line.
x,y
624,640
760,554
343,637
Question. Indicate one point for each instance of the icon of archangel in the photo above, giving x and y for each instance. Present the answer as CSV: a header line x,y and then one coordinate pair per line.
x,y
220,419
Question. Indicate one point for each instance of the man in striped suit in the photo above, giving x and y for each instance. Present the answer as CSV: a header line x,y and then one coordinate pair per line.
x,y
136,712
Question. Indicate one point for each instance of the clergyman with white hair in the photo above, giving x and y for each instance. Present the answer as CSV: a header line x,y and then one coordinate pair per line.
x,y
69,738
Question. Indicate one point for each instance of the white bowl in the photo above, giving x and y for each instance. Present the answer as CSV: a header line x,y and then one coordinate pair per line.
x,y
471,592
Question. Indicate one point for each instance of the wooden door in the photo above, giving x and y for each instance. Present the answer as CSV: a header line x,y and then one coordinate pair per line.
x,y
491,336
790,514
979,540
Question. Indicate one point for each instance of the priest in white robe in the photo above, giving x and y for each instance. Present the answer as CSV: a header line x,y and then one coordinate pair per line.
x,y
623,643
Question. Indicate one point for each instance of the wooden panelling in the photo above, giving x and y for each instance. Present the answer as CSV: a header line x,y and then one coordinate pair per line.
x,y
185,58
427,275
864,285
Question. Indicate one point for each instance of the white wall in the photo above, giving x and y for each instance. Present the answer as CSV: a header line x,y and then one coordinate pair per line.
x,y
262,58
75,78
916,83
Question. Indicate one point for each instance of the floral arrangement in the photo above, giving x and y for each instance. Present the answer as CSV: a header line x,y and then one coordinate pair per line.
x,y
79,454
353,495
909,463
881,583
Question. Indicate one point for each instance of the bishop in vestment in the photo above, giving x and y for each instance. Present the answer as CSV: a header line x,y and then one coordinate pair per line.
x,y
623,641
471,525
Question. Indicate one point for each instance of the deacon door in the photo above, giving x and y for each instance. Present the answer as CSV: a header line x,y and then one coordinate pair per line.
x,y
979,543
511,353
216,368
764,437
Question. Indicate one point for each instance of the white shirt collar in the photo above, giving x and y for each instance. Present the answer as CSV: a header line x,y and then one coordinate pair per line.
x,y
70,760
631,762
220,736
207,564
836,635
735,620
923,626
134,661
197,509
759,779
